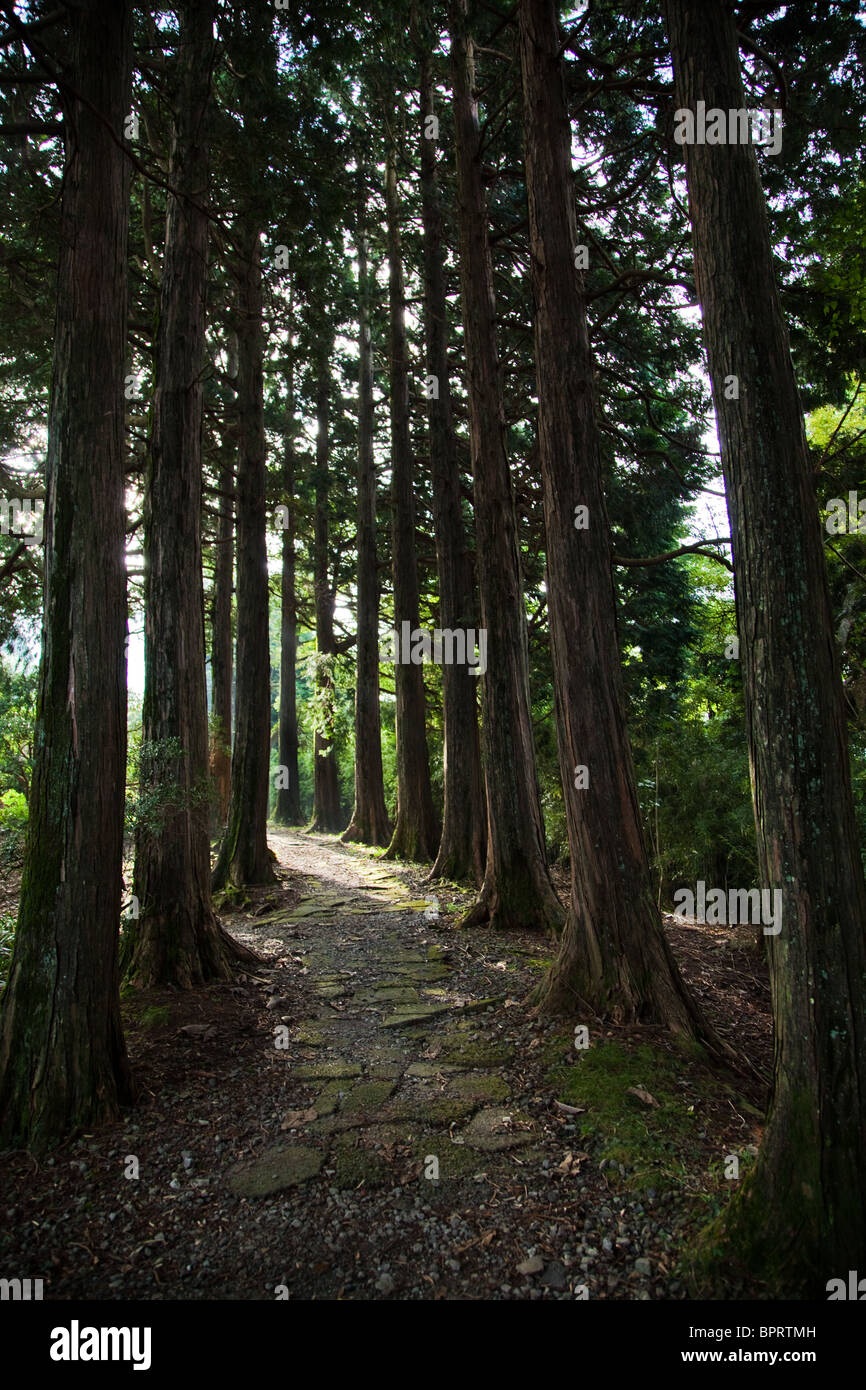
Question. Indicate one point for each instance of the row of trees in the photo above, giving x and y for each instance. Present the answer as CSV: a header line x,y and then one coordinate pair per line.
x,y
443,176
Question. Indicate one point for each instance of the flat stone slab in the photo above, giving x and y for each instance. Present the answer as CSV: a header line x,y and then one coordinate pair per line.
x,y
275,1170
329,1098
479,1087
327,1071
387,994
418,1013
367,1097
311,1036
429,1069
414,905
493,1130
356,1167
424,974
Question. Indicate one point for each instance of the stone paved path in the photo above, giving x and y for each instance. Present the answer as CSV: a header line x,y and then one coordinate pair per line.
x,y
401,1060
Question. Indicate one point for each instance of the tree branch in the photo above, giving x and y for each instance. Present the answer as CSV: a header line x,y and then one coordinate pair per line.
x,y
696,549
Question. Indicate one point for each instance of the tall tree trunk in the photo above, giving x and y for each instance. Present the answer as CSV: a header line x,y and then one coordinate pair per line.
x,y
176,940
244,856
221,643
288,807
463,845
416,834
614,958
326,782
517,890
369,823
63,1061
800,1218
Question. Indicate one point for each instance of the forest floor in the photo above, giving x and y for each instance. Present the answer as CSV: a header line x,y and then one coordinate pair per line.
x,y
375,1112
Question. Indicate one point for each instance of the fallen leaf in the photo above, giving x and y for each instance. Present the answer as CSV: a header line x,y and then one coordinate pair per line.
x,y
643,1096
299,1117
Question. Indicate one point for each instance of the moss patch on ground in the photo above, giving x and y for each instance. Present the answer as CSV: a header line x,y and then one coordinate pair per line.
x,y
436,1111
480,1087
454,1160
654,1143
154,1016
354,1166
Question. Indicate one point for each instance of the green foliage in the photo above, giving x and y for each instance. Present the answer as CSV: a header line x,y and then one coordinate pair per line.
x,y
18,690
7,937
161,793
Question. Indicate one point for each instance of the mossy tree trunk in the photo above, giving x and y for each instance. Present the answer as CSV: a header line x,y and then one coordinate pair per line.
x,y
221,643
517,890
326,782
288,807
244,857
463,845
614,959
416,833
801,1216
176,939
369,823
63,1060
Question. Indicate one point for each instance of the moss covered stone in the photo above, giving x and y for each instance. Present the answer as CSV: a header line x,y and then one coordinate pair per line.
x,y
421,973
387,994
455,1160
327,1071
439,1110
429,1069
326,990
385,1071
480,1087
354,1165
495,1129
329,1098
367,1098
277,1169
407,1014
310,1036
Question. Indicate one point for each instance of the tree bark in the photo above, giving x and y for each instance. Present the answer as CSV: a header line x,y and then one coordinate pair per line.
x,y
415,833
221,645
326,782
244,856
614,960
177,940
288,807
517,890
800,1217
463,845
63,1062
369,823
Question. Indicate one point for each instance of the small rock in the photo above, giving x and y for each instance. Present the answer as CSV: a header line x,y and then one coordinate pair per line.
x,y
554,1276
643,1267
534,1265
385,1284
